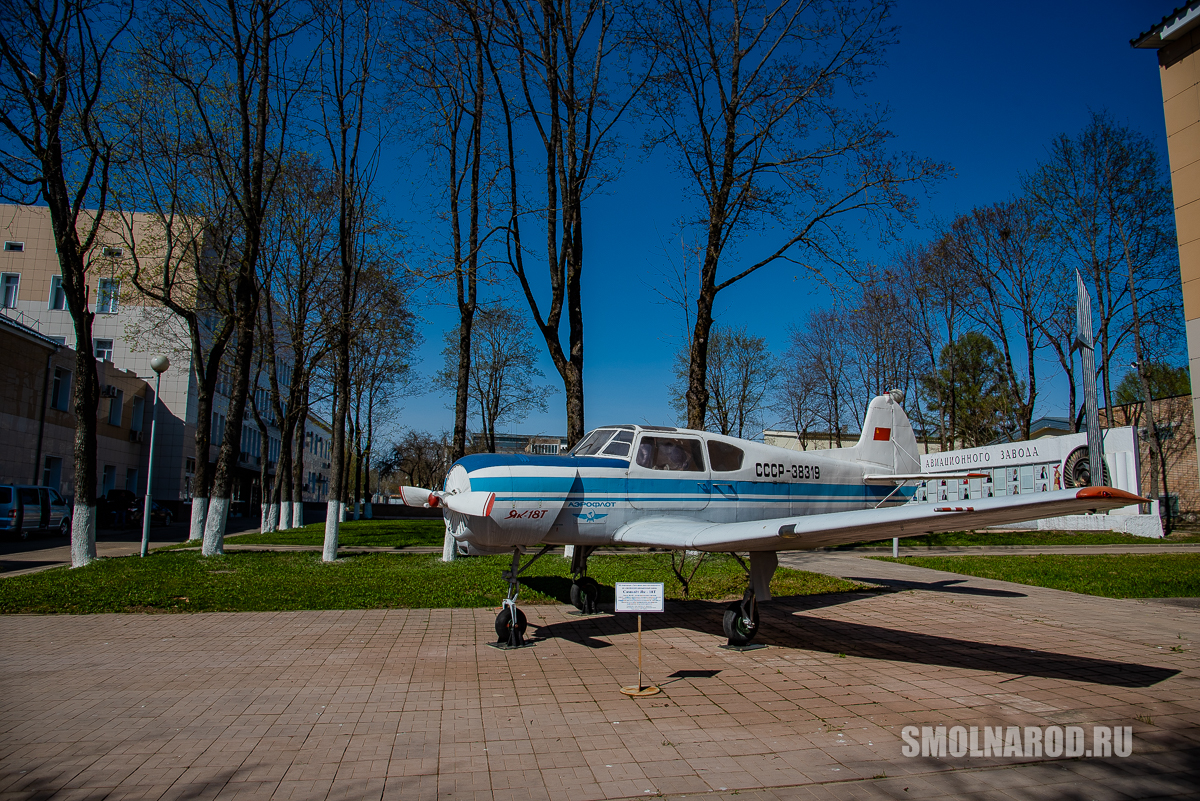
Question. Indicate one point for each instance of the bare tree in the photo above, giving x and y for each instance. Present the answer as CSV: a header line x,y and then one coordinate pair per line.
x,y
1108,205
380,356
797,395
350,106
749,101
231,60
56,61
503,373
443,46
934,296
821,349
418,459
1006,252
560,54
740,375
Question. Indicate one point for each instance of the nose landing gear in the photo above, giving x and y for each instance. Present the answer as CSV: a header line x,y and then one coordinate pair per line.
x,y
511,622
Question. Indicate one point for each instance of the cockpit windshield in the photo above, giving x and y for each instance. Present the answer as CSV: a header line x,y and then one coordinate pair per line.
x,y
605,441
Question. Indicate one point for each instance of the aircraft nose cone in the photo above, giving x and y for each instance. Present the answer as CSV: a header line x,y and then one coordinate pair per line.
x,y
457,481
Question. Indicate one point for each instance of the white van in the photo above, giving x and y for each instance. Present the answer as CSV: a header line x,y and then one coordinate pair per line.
x,y
27,509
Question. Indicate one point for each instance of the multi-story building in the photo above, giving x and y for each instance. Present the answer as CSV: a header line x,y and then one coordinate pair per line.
x,y
128,331
37,417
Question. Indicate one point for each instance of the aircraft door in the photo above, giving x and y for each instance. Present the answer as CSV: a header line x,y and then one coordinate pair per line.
x,y
669,472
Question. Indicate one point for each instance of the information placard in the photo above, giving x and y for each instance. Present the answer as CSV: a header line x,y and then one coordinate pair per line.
x,y
640,596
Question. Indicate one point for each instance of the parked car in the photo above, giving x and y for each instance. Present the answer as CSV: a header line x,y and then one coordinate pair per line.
x,y
159,515
25,509
118,509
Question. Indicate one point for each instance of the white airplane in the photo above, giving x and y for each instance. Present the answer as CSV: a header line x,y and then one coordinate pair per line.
x,y
673,488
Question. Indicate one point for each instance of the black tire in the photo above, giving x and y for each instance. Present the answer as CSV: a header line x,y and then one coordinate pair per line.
x,y
64,528
584,590
735,625
503,622
1077,472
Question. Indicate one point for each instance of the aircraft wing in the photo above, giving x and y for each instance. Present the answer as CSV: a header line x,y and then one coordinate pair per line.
x,y
837,528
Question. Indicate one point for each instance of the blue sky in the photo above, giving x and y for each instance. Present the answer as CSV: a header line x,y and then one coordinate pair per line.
x,y
982,86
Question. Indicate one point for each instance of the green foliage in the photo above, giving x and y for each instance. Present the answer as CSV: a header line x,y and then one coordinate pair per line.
x,y
970,389
184,581
1175,575
1165,382
355,533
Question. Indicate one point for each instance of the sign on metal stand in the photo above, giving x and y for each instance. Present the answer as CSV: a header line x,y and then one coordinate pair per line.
x,y
639,597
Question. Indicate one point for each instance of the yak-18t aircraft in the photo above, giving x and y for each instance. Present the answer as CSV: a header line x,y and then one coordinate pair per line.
x,y
673,488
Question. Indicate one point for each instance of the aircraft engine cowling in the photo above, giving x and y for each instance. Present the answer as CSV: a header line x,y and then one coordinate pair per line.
x,y
473,514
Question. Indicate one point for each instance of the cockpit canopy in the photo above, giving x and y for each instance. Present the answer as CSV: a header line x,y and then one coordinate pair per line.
x,y
661,448
614,441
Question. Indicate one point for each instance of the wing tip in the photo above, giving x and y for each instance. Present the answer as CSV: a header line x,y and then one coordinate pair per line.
x,y
1109,493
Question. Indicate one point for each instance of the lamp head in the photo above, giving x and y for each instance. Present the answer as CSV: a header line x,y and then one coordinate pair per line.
x,y
159,364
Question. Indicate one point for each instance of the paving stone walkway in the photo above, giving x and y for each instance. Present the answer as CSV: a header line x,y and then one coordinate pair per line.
x,y
412,704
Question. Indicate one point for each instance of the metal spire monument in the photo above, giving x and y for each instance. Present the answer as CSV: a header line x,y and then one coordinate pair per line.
x,y
1085,344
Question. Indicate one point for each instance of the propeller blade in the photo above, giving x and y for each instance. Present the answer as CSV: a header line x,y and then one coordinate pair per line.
x,y
416,496
472,504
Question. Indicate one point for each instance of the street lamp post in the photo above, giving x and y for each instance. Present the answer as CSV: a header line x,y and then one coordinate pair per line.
x,y
159,364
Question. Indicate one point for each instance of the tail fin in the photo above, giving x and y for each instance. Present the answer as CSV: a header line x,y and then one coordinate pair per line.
x,y
887,439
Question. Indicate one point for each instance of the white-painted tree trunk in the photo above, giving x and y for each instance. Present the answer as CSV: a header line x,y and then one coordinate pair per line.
x,y
449,546
285,515
297,514
343,512
272,517
83,535
368,512
199,515
357,510
214,527
333,518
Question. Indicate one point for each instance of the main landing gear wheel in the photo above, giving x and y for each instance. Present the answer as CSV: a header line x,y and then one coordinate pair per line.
x,y
504,627
585,592
741,620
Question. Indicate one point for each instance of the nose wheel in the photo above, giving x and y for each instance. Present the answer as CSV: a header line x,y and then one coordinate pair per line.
x,y
511,622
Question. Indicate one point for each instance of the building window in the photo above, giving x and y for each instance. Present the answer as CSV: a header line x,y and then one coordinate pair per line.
x,y
109,479
60,394
139,411
106,296
14,247
114,408
9,283
114,253
104,349
52,472
58,298
131,479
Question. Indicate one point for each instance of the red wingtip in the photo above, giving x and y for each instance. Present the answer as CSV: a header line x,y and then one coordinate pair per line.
x,y
1107,493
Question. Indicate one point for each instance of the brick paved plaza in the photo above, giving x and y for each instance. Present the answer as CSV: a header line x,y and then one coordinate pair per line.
x,y
412,704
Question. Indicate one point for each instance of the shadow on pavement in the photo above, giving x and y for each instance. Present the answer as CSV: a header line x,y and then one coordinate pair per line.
x,y
785,625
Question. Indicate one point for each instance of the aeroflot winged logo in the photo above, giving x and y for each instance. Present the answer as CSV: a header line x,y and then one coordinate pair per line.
x,y
590,516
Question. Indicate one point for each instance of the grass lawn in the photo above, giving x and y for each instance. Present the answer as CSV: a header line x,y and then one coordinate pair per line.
x,y
1171,575
184,581
354,533
1028,538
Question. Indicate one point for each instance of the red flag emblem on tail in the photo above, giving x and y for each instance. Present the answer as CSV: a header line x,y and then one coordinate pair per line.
x,y
883,434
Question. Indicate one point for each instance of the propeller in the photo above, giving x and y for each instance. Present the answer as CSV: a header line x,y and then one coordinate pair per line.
x,y
472,504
